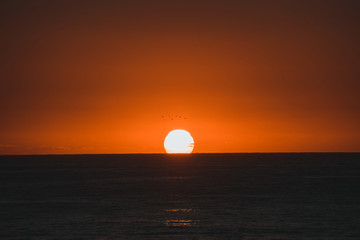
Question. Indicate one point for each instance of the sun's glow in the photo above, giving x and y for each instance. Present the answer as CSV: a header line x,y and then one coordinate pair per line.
x,y
179,141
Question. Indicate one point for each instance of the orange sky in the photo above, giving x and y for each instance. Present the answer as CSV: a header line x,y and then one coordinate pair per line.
x,y
249,76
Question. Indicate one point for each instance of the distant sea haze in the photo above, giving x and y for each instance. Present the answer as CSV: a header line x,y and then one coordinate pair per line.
x,y
197,196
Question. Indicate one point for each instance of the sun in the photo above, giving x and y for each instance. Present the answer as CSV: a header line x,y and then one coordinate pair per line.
x,y
179,141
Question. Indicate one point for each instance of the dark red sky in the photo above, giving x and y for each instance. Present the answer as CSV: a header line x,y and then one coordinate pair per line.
x,y
249,76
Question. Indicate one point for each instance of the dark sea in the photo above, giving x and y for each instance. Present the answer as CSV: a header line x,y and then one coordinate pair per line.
x,y
198,196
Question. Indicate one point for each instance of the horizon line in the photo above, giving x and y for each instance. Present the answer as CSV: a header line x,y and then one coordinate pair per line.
x,y
62,154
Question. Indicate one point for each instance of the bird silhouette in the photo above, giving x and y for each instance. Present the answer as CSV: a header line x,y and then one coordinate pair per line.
x,y
173,117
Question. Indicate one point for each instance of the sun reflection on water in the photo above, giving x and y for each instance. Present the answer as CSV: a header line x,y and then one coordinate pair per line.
x,y
181,217
179,210
180,223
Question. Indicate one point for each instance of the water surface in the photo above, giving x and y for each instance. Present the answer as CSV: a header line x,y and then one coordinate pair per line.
x,y
200,196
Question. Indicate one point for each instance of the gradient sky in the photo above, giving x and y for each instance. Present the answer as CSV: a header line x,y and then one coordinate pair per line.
x,y
249,76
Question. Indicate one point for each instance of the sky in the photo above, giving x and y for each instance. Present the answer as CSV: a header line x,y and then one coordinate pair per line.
x,y
240,76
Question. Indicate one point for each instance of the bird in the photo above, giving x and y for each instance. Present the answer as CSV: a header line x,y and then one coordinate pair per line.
x,y
173,116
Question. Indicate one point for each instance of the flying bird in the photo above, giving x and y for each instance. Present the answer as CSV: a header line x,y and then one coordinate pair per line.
x,y
172,117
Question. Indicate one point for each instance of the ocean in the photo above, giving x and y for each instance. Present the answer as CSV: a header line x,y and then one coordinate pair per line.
x,y
198,196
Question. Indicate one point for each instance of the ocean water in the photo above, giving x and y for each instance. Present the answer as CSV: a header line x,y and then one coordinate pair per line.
x,y
198,196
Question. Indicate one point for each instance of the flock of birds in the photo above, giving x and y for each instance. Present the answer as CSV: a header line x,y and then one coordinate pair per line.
x,y
172,117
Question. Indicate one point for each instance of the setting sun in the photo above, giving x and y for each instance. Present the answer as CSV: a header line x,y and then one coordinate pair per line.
x,y
179,141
